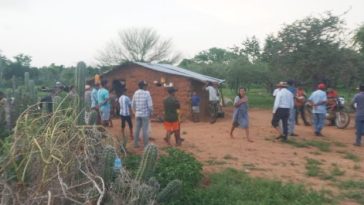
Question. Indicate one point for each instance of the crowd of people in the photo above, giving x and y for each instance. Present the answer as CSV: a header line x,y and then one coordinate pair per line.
x,y
289,102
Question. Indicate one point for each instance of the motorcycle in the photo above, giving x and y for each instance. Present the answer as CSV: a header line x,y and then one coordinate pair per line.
x,y
336,114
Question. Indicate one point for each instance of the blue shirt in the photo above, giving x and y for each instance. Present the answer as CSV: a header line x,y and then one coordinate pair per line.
x,y
125,105
319,96
359,100
102,95
195,100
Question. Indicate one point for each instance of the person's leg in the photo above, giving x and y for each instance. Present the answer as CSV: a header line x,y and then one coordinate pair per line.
x,y
138,126
247,135
315,117
232,130
291,121
284,118
130,125
275,122
125,140
359,125
321,124
303,116
145,126
297,114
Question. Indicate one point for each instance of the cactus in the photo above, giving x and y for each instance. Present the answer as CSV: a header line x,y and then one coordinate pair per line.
x,y
26,81
80,79
169,191
108,158
93,117
147,164
13,83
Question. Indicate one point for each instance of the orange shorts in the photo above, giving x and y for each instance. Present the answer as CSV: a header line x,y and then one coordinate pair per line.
x,y
171,126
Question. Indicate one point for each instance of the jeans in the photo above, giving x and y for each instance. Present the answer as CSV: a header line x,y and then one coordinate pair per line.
x,y
318,121
141,123
359,125
291,120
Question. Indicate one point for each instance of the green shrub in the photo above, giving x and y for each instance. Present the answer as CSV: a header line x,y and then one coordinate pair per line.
x,y
178,165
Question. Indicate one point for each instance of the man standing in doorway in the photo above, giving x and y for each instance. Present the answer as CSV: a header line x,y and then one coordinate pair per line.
x,y
358,104
213,101
103,97
318,101
142,106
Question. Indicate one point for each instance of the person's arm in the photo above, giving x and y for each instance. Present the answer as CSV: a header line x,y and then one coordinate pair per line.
x,y
150,103
276,102
353,103
133,103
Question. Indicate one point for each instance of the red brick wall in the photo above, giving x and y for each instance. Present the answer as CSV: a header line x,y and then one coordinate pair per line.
x,y
132,74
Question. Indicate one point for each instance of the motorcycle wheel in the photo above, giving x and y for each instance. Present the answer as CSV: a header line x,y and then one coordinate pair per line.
x,y
342,120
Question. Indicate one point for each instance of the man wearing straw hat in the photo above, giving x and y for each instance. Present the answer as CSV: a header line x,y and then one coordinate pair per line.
x,y
283,103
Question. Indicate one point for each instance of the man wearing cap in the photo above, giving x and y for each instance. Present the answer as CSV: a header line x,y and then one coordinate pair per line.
x,y
142,106
283,103
358,104
171,123
318,101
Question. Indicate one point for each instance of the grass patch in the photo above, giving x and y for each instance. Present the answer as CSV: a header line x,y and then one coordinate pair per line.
x,y
313,168
357,166
339,144
322,146
229,157
212,162
351,156
354,190
235,187
336,171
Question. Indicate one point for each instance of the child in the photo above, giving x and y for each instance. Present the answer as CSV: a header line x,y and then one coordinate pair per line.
x,y
195,107
125,115
240,116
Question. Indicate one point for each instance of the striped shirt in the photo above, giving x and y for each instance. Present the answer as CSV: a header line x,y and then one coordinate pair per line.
x,y
125,105
142,103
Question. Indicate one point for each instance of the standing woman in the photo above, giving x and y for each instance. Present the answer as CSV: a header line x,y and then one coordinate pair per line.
x,y
240,116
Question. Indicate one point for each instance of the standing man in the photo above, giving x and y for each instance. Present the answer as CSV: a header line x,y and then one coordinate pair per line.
x,y
142,106
292,112
103,103
171,122
213,101
358,104
318,101
283,103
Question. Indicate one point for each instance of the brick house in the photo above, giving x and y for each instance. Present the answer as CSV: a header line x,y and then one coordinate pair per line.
x,y
160,75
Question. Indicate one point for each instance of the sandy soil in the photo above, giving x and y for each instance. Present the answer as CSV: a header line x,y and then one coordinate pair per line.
x,y
265,157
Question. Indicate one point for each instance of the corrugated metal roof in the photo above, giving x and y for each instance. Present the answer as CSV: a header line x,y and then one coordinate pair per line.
x,y
166,68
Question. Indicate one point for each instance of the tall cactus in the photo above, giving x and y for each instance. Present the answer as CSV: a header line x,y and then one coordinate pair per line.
x,y
80,80
26,82
169,191
147,164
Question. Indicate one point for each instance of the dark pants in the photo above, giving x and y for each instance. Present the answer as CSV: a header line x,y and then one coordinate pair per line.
x,y
213,110
281,114
301,111
359,125
126,119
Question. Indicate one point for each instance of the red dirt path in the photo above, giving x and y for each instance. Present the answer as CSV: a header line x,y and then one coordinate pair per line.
x,y
265,157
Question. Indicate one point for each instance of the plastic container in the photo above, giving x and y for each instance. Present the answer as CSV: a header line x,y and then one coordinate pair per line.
x,y
117,164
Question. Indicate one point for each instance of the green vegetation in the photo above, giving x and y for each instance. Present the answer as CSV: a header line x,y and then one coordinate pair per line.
x,y
353,190
351,156
258,97
313,167
321,145
235,187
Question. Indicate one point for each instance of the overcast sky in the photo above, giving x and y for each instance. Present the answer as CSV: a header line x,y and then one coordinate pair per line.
x,y
68,31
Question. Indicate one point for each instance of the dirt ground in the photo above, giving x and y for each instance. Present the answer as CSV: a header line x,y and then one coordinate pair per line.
x,y
265,157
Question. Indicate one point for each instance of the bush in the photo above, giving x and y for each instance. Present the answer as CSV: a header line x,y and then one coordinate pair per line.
x,y
179,165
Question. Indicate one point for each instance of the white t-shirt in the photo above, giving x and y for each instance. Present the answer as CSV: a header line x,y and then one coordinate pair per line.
x,y
212,93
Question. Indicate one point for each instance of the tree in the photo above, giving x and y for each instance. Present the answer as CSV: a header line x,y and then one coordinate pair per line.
x,y
359,38
250,48
311,50
138,45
